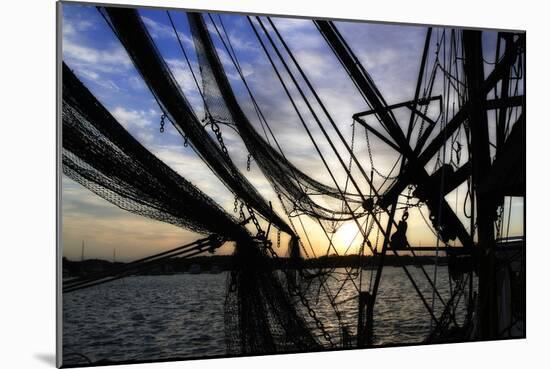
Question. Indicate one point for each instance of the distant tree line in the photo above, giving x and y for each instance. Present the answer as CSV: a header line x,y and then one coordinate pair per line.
x,y
215,263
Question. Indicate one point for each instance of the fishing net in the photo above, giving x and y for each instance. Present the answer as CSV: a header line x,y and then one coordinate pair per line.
x,y
295,188
130,30
102,156
261,315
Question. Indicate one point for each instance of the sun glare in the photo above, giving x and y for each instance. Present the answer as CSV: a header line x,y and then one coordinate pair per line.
x,y
348,234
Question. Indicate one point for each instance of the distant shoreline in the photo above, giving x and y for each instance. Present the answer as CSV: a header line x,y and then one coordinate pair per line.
x,y
218,263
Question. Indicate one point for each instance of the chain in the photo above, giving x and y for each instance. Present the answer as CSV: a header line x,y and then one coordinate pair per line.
x,y
241,212
162,118
185,141
278,238
217,131
388,177
296,292
498,222
431,227
248,163
261,233
409,191
352,145
457,151
313,315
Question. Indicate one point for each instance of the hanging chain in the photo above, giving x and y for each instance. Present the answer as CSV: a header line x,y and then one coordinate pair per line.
x,y
278,238
297,292
162,118
317,321
261,233
409,196
405,214
248,163
458,150
241,212
217,131
498,221
388,177
352,146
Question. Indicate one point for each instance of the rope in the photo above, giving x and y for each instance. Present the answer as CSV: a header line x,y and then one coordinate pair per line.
x,y
187,61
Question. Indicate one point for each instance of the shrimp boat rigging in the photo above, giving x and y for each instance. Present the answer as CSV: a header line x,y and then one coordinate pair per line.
x,y
266,310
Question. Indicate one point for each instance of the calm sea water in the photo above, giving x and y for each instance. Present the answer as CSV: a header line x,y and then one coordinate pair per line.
x,y
181,316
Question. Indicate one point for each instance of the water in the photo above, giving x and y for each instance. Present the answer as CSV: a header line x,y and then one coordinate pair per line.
x,y
181,316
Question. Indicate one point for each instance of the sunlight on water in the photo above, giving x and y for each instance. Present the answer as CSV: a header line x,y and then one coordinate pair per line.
x,y
181,316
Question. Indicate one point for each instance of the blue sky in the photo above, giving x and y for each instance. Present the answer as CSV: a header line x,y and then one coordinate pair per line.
x,y
391,54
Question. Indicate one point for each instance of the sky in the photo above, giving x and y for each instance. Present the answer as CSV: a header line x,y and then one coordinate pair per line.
x,y
390,53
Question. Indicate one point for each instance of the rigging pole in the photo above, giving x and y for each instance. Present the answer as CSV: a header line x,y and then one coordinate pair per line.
x,y
481,164
367,337
453,226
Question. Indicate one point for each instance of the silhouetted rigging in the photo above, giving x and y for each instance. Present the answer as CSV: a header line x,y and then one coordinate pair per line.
x,y
268,311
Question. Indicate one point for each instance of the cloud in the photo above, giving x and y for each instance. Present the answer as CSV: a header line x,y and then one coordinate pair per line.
x,y
72,26
185,162
380,59
240,43
100,65
140,123
300,33
109,59
390,54
159,31
137,83
139,118
183,75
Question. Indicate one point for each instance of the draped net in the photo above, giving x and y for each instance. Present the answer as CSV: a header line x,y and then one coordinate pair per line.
x,y
101,155
295,188
132,33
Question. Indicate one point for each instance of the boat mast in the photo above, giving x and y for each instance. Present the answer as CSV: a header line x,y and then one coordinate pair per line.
x,y
486,205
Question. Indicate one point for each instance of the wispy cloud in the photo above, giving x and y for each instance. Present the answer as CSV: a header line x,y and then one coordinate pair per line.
x,y
108,59
98,64
140,118
159,31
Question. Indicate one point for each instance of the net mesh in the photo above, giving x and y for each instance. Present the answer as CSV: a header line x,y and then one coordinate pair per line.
x,y
261,316
102,156
260,313
132,33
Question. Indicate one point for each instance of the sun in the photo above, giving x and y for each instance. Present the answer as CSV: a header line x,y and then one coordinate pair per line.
x,y
348,234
